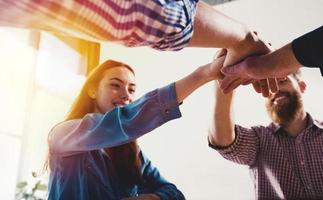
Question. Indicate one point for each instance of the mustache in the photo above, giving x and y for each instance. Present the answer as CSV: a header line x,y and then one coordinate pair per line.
x,y
279,94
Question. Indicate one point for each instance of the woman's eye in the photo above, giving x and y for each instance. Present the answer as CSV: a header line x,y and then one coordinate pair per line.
x,y
132,91
115,85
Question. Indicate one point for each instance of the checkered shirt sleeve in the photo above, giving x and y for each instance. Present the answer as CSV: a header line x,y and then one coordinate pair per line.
x,y
161,24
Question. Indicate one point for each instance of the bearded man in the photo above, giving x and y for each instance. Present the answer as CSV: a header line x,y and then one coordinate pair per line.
x,y
286,157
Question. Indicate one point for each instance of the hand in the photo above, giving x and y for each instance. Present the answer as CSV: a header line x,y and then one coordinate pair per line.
x,y
143,197
278,64
233,80
251,45
230,82
215,67
218,63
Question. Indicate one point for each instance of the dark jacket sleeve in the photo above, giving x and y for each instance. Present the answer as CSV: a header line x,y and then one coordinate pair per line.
x,y
158,184
308,49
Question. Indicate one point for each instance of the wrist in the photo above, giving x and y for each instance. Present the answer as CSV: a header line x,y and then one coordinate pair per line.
x,y
221,97
246,42
241,34
283,61
203,73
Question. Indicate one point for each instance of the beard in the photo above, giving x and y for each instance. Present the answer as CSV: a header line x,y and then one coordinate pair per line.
x,y
285,112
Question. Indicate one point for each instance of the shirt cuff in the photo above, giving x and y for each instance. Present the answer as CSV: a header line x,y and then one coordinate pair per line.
x,y
219,147
179,40
168,101
229,148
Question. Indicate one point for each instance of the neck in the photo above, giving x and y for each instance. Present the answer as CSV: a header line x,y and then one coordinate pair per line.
x,y
297,125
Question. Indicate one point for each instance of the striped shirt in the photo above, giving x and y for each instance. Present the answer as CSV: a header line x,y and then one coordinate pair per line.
x,y
161,24
282,166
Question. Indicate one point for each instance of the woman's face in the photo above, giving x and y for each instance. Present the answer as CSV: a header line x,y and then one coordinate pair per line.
x,y
116,88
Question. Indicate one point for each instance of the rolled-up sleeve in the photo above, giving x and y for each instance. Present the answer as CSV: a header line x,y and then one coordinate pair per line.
x,y
116,127
179,17
163,25
244,149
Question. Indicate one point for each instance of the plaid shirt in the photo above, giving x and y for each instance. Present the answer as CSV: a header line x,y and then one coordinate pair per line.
x,y
161,24
282,166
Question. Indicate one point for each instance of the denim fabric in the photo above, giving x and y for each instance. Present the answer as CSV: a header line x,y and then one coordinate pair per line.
x,y
80,170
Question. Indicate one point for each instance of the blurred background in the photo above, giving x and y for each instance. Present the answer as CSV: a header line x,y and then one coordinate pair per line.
x,y
41,74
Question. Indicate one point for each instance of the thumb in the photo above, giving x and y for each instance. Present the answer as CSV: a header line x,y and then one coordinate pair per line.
x,y
233,69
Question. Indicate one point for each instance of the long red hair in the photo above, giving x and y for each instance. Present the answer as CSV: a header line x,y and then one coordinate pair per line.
x,y
125,158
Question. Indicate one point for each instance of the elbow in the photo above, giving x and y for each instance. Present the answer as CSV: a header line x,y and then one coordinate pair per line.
x,y
221,138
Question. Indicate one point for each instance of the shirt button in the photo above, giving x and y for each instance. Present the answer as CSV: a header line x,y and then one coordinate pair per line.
x,y
167,111
302,163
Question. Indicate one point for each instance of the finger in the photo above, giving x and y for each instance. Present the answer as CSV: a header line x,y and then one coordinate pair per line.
x,y
220,77
256,86
273,85
216,66
226,82
220,53
236,69
264,87
246,81
234,83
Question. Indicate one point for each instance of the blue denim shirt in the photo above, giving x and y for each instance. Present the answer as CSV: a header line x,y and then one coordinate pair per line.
x,y
81,170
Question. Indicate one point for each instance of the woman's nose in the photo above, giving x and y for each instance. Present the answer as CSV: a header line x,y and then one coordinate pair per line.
x,y
125,95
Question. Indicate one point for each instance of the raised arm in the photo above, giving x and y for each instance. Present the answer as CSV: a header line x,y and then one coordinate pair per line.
x,y
202,75
214,29
221,131
303,51
232,141
278,63
124,124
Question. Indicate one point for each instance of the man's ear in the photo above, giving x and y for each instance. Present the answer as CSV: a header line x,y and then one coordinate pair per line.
x,y
91,92
302,86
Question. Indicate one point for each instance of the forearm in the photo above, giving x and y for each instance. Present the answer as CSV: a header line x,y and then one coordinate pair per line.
x,y
187,85
214,29
283,58
120,125
221,132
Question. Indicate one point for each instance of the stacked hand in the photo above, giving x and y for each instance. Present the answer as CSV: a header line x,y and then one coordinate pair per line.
x,y
251,46
278,63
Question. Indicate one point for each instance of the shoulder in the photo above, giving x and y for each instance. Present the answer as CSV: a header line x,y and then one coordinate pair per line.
x,y
257,129
319,124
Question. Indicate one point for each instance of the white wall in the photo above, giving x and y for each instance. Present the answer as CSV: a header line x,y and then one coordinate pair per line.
x,y
179,148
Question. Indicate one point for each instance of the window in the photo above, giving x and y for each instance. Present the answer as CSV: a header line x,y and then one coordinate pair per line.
x,y
40,75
